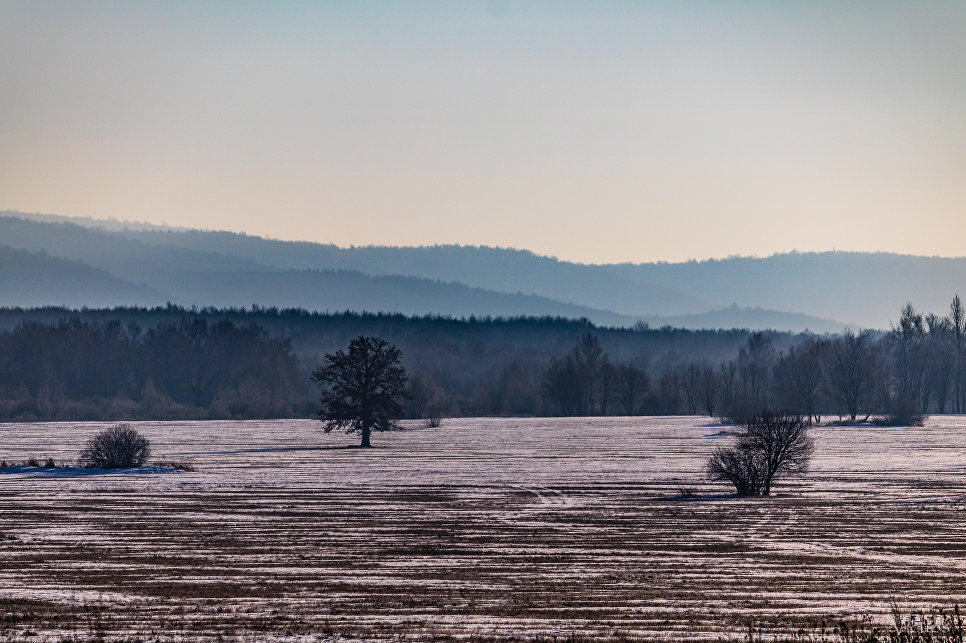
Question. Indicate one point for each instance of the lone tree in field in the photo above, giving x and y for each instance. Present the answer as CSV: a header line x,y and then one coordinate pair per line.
x,y
773,446
117,447
362,389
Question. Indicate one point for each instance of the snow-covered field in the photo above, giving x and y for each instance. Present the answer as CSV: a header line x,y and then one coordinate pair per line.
x,y
483,527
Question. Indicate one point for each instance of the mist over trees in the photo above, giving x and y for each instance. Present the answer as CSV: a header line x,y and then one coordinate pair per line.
x,y
172,362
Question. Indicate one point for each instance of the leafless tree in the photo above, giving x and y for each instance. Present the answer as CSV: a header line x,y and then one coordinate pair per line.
x,y
589,359
852,367
755,361
710,388
957,318
606,384
940,356
907,348
728,377
773,446
801,378
691,386
669,390
631,384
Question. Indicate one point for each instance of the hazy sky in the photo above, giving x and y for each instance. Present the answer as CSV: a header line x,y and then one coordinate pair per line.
x,y
594,131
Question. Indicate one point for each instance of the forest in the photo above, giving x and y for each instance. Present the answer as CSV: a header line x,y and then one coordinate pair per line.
x,y
177,363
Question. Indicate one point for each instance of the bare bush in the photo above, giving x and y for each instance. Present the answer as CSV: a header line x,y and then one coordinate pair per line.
x,y
901,414
772,446
117,447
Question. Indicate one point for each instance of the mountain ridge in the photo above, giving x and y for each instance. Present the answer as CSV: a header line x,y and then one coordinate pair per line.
x,y
785,290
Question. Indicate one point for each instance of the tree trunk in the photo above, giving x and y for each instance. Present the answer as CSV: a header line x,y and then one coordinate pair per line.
x,y
366,431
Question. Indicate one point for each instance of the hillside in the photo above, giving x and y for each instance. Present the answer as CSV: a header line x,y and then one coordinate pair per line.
x,y
818,291
37,279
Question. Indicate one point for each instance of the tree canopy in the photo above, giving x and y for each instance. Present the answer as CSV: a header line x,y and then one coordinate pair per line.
x,y
362,389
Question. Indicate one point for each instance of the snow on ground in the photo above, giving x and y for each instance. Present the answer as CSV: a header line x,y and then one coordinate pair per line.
x,y
485,527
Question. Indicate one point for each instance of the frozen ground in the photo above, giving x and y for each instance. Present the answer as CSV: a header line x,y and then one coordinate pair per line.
x,y
481,528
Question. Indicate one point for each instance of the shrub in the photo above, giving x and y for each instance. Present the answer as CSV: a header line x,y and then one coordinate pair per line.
x,y
117,447
901,414
50,464
33,462
772,446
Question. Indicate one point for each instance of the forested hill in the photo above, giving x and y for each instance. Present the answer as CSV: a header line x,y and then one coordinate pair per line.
x,y
863,289
794,291
65,264
223,269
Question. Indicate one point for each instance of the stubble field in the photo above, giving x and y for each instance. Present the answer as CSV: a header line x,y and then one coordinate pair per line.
x,y
512,528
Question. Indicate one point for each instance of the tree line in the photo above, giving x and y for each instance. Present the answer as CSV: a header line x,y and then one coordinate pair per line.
x,y
173,362
193,369
915,368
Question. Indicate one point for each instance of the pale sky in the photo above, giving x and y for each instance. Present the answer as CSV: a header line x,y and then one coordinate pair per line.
x,y
593,131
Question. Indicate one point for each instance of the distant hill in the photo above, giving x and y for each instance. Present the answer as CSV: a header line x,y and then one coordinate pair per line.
x,y
96,260
861,289
748,317
37,279
794,291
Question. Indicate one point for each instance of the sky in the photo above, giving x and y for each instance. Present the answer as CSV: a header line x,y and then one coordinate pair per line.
x,y
603,131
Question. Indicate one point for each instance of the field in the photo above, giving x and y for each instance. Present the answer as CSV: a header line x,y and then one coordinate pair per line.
x,y
519,529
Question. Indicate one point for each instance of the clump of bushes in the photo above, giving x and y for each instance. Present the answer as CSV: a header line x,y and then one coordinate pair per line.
x,y
117,447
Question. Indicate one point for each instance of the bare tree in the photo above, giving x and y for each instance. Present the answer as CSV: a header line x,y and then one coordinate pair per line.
x,y
728,378
710,388
773,446
669,390
606,383
582,382
940,355
801,378
957,318
589,358
852,370
691,386
755,361
907,343
561,387
631,384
